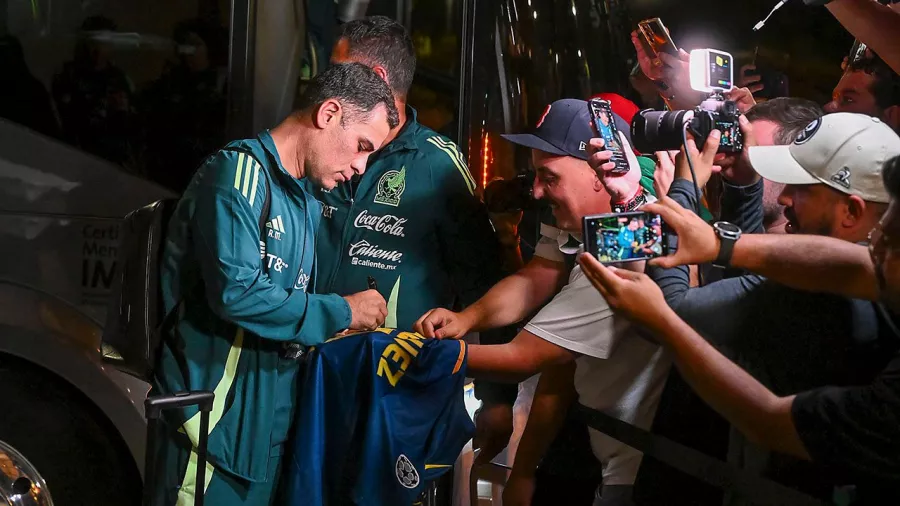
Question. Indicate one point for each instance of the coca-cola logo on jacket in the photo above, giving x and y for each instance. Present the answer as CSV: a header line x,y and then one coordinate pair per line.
x,y
386,224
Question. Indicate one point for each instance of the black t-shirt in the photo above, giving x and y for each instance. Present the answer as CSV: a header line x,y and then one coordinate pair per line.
x,y
856,430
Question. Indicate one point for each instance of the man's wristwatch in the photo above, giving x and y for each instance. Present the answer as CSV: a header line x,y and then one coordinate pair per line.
x,y
728,234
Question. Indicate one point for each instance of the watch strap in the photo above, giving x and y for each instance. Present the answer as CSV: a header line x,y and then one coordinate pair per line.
x,y
726,248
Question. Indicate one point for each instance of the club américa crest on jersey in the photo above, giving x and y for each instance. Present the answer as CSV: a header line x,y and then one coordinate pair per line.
x,y
406,472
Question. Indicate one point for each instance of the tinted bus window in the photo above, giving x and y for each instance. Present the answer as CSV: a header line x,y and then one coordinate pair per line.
x,y
140,83
435,30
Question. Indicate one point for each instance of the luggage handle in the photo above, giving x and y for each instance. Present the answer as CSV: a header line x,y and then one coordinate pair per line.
x,y
153,408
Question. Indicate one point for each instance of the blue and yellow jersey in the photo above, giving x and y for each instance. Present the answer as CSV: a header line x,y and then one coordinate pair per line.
x,y
380,415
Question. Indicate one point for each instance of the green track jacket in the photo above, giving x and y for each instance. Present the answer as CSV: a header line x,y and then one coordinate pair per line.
x,y
415,224
243,298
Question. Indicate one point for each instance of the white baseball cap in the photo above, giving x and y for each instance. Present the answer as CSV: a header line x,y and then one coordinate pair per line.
x,y
844,150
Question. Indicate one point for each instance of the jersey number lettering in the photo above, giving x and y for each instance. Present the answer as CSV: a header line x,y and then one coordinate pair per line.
x,y
385,371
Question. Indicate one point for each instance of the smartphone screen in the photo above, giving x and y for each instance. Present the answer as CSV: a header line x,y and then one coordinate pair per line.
x,y
657,37
605,126
624,237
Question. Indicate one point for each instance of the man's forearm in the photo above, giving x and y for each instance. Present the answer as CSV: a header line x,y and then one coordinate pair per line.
x,y
518,360
498,363
516,296
812,263
554,394
512,257
874,24
742,400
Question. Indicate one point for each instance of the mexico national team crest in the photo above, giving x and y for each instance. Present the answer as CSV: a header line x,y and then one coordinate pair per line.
x,y
390,187
406,473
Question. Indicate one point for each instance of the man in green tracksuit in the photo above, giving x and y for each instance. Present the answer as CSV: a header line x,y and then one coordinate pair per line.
x,y
241,283
413,221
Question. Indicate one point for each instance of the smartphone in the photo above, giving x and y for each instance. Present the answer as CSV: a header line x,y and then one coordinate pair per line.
x,y
624,237
656,36
605,127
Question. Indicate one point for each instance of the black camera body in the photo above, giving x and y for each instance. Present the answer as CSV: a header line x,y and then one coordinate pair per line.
x,y
507,195
653,131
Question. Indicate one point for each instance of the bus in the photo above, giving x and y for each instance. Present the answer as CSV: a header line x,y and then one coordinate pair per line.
x,y
106,106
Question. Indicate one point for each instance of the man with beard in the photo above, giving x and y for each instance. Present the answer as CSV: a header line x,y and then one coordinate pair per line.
x,y
849,430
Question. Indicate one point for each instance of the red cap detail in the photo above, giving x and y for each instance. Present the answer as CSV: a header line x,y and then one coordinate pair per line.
x,y
543,116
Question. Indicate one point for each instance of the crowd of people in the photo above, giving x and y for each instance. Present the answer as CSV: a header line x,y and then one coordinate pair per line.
x,y
791,337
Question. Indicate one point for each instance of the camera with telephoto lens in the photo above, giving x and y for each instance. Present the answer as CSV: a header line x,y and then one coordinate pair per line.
x,y
711,72
507,195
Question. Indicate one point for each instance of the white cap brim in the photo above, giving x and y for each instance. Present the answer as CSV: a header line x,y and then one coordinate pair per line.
x,y
776,164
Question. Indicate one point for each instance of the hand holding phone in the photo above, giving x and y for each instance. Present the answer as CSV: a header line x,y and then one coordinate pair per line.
x,y
625,237
656,37
605,126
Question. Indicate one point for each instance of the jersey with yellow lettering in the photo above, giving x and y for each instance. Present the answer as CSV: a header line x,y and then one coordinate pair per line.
x,y
380,415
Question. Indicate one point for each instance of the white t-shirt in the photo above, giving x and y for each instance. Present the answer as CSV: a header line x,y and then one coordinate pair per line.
x,y
619,373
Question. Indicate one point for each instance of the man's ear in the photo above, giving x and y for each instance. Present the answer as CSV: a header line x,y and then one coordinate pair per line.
x,y
327,113
382,73
891,116
856,211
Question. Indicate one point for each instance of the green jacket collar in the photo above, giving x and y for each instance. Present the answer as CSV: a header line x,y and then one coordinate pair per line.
x,y
406,138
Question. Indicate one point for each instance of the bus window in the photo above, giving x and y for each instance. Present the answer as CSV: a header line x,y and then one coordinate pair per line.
x,y
140,84
434,28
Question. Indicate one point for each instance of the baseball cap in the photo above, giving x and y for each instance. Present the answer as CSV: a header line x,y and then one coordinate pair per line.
x,y
844,150
564,129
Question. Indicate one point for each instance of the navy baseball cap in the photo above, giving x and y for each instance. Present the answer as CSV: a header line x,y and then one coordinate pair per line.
x,y
565,129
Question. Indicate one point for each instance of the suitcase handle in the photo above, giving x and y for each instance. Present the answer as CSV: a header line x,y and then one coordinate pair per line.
x,y
153,407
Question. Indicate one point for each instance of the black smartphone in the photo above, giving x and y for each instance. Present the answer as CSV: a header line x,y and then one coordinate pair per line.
x,y
605,126
625,237
656,37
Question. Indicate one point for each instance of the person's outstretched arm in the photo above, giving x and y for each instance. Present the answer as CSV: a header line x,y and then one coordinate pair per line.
x,y
805,262
876,25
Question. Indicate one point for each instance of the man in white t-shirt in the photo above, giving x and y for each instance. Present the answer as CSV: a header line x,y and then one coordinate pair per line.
x,y
575,339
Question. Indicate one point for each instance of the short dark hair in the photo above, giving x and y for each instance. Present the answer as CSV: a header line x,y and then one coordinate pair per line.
x,y
357,87
890,174
886,87
791,115
379,40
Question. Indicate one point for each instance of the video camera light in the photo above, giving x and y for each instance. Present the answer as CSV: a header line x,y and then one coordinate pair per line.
x,y
712,71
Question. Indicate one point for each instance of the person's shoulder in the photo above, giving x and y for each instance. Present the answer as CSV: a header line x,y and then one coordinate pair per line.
x,y
434,145
235,168
443,156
